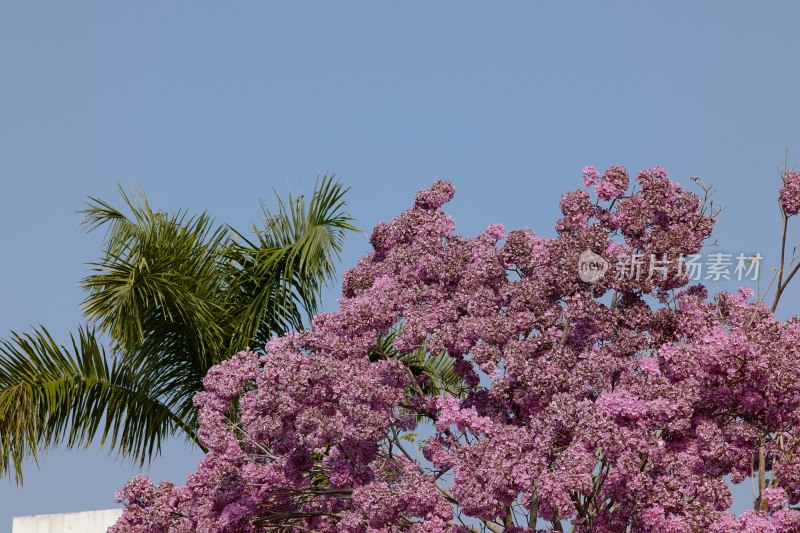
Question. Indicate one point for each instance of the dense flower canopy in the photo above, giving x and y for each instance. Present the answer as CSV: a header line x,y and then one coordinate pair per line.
x,y
620,404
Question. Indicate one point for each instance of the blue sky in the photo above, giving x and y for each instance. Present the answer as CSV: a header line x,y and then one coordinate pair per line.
x,y
209,105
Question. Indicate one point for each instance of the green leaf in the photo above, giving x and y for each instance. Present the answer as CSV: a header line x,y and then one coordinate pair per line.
x,y
51,394
174,294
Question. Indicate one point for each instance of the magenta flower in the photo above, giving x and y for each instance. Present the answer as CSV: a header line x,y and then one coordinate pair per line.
x,y
790,193
590,176
496,232
613,183
478,383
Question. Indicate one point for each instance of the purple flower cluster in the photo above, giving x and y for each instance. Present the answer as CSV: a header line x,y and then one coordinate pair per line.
x,y
614,414
613,183
790,193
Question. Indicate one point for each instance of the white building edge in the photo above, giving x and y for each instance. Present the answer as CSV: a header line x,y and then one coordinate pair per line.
x,y
85,522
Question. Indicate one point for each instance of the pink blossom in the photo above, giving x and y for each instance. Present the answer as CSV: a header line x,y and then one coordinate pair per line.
x,y
613,183
496,232
590,176
469,378
790,193
775,497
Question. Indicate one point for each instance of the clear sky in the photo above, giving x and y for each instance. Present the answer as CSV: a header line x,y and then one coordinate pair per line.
x,y
209,105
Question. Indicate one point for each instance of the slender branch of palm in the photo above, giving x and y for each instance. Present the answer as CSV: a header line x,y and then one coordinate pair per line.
x,y
52,394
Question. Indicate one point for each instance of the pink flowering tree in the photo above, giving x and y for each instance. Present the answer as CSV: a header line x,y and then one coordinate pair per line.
x,y
471,384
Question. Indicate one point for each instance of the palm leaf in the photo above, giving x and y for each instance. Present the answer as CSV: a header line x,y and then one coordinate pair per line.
x,y
156,265
51,394
174,295
278,278
438,368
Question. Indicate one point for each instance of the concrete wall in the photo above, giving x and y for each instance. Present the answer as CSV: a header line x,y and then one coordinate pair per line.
x,y
87,522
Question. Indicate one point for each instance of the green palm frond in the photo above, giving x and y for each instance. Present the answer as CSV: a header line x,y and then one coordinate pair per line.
x,y
174,294
51,394
437,368
157,266
279,276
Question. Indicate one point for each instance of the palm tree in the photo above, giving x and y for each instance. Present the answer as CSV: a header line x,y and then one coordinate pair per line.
x,y
171,296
